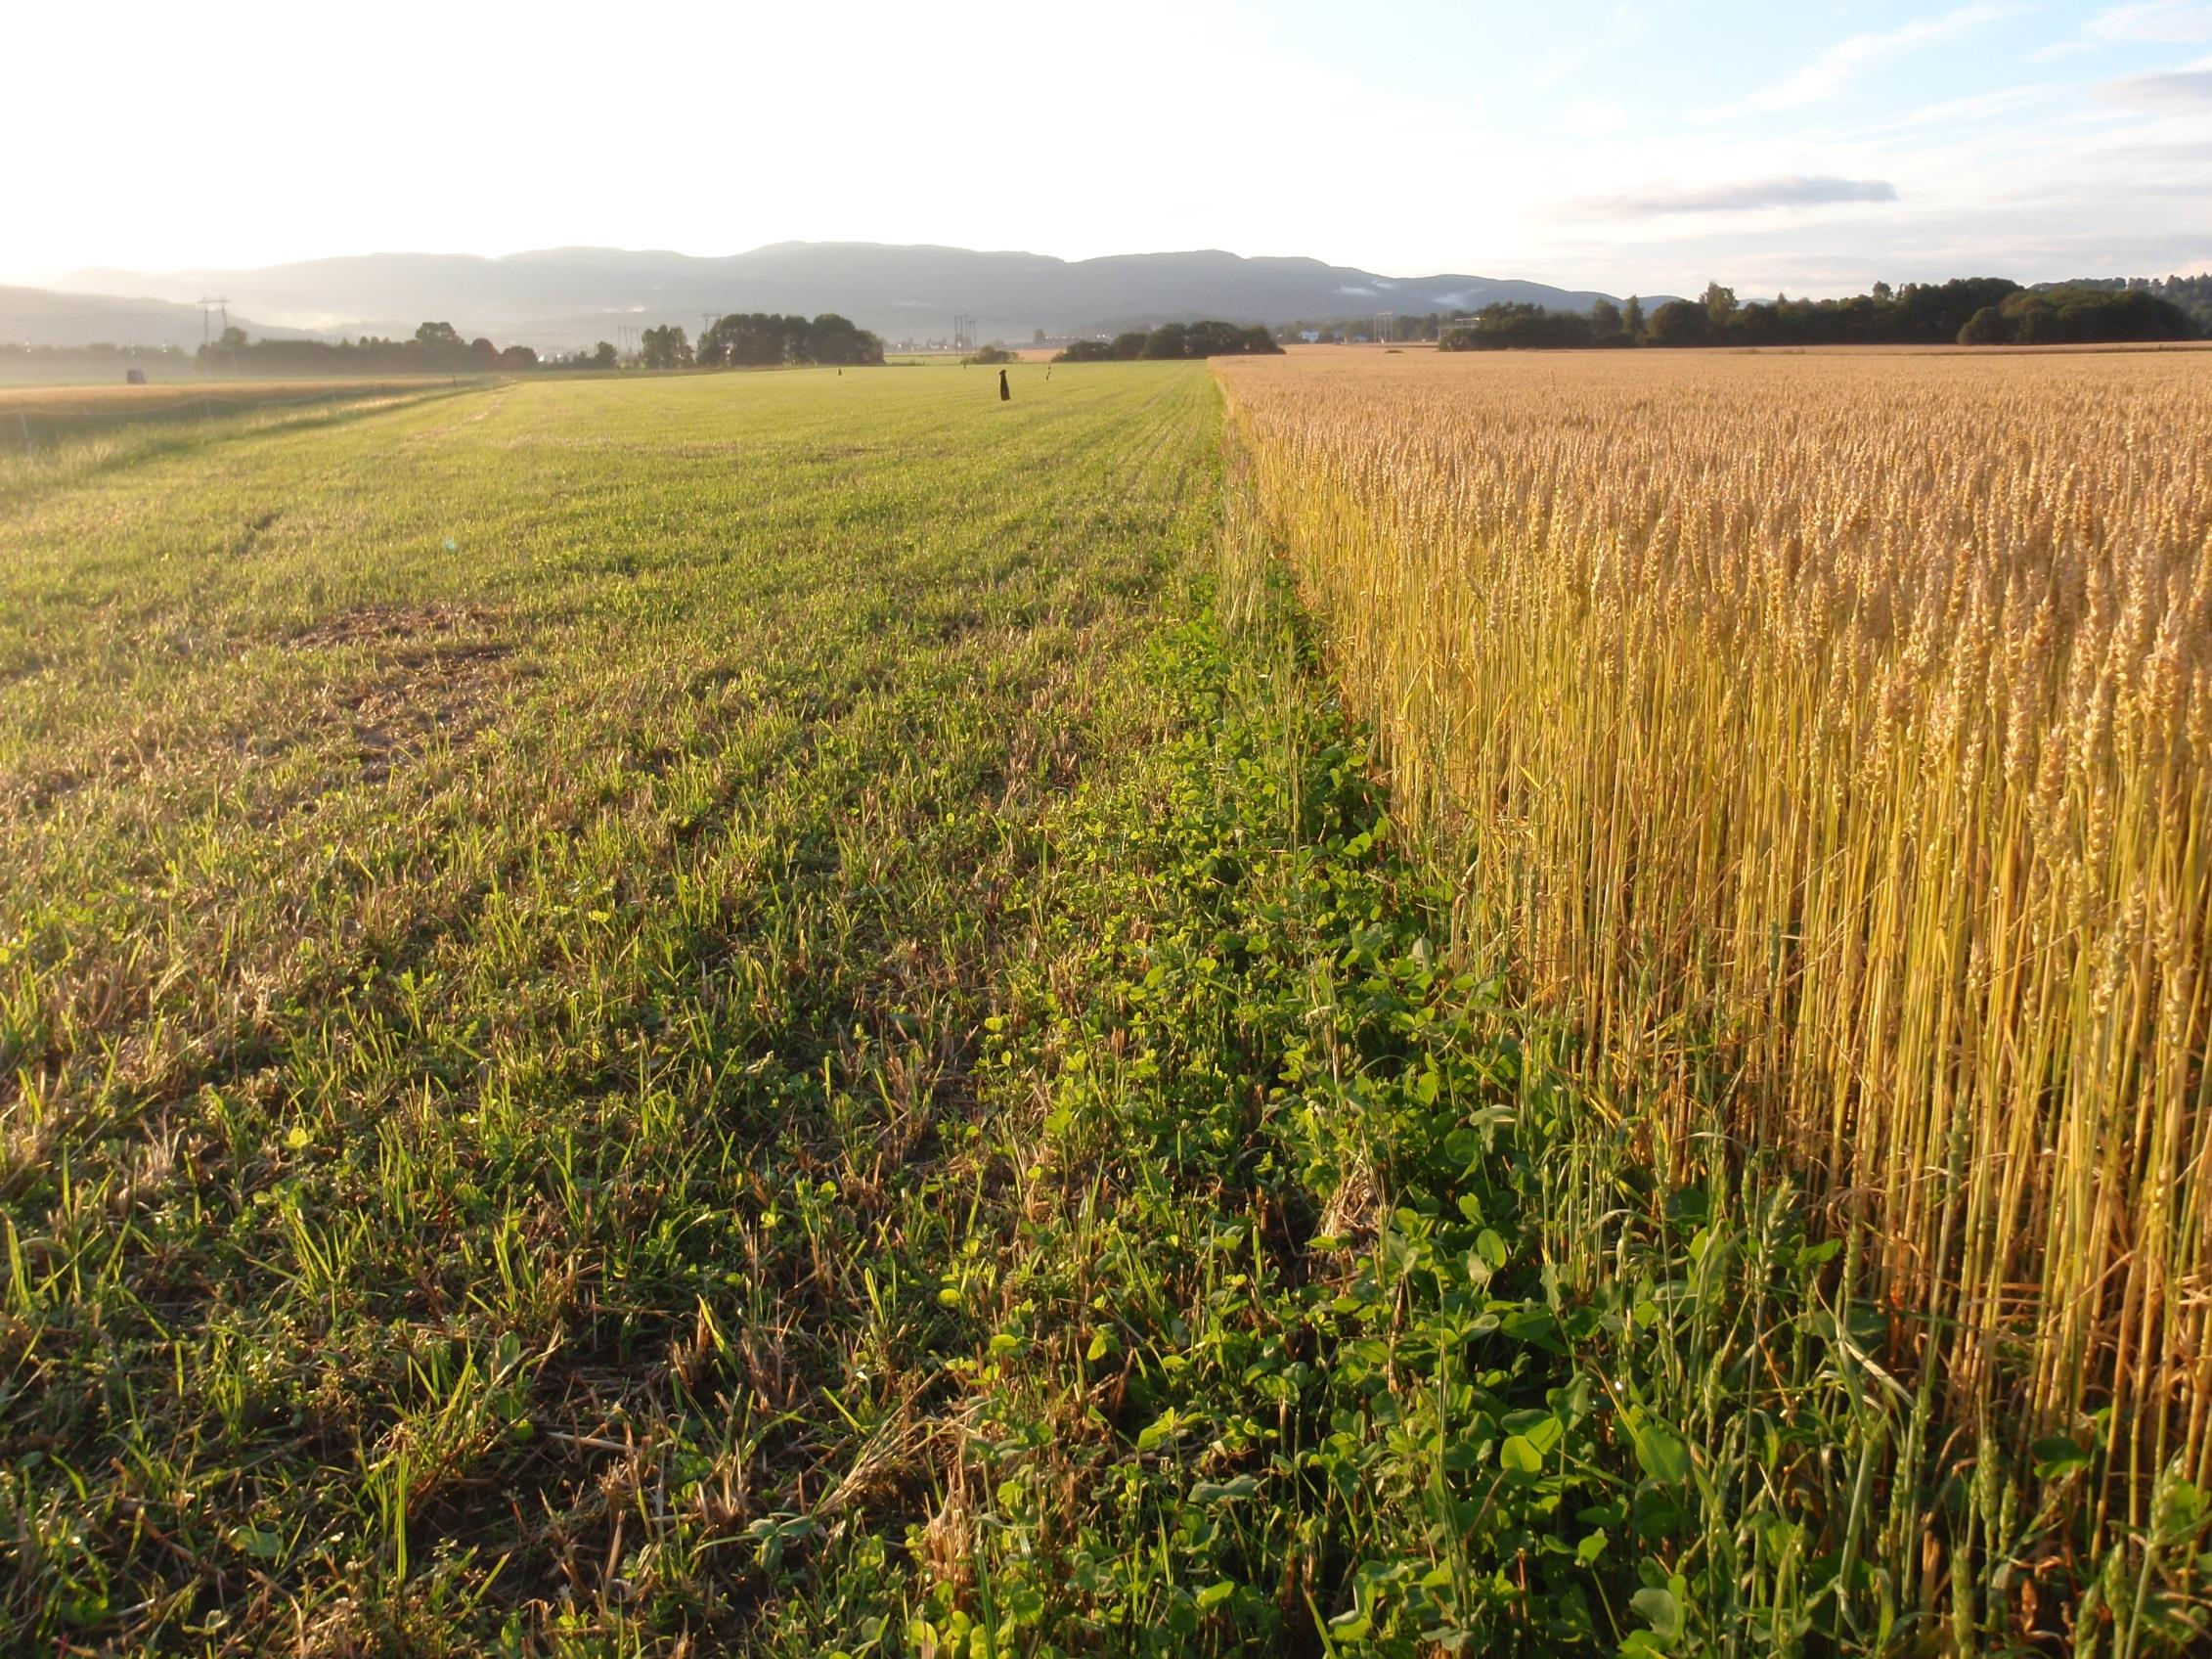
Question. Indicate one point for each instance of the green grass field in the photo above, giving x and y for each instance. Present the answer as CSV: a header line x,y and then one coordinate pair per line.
x,y
497,906
777,1013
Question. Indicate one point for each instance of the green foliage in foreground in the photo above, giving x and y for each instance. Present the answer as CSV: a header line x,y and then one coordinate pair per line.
x,y
731,1014
1335,1325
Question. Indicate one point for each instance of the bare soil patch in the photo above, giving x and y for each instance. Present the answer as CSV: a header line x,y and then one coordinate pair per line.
x,y
431,671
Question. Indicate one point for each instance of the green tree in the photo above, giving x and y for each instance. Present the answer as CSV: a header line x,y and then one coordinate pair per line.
x,y
1719,303
1632,318
665,348
1509,326
1680,322
831,338
1168,339
1604,319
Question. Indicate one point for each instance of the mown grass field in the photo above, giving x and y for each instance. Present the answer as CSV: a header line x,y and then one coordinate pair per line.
x,y
485,887
50,431
779,1013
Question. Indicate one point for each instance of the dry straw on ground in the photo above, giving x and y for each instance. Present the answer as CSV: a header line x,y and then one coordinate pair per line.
x,y
1831,736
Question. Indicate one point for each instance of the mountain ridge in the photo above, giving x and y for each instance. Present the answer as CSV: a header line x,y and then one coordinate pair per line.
x,y
555,297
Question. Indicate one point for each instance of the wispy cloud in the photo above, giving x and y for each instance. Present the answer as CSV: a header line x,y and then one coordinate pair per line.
x,y
2174,21
1744,196
1829,74
2188,89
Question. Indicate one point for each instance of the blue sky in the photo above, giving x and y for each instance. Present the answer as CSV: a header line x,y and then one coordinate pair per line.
x,y
1627,144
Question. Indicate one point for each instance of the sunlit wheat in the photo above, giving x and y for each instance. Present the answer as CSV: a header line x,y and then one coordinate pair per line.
x,y
1830,735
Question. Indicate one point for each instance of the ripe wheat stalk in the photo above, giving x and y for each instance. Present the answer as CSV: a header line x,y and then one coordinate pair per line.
x,y
1829,736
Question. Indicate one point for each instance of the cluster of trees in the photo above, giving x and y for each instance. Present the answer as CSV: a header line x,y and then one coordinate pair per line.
x,y
2192,294
760,339
1966,311
1174,339
664,348
1515,326
2077,314
1339,331
437,348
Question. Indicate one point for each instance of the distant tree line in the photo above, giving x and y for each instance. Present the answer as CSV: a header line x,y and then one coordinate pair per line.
x,y
1515,326
2054,316
601,356
1338,330
437,348
1965,311
756,339
1174,339
762,339
2193,294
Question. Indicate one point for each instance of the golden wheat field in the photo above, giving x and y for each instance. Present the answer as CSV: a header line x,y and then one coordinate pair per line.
x,y
1828,738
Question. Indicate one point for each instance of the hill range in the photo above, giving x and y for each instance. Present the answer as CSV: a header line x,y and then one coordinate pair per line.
x,y
567,297
39,316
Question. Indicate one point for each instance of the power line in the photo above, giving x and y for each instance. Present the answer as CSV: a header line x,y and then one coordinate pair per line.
x,y
222,300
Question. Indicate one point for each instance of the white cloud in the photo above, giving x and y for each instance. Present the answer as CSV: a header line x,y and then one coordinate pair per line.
x,y
1829,74
2188,90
